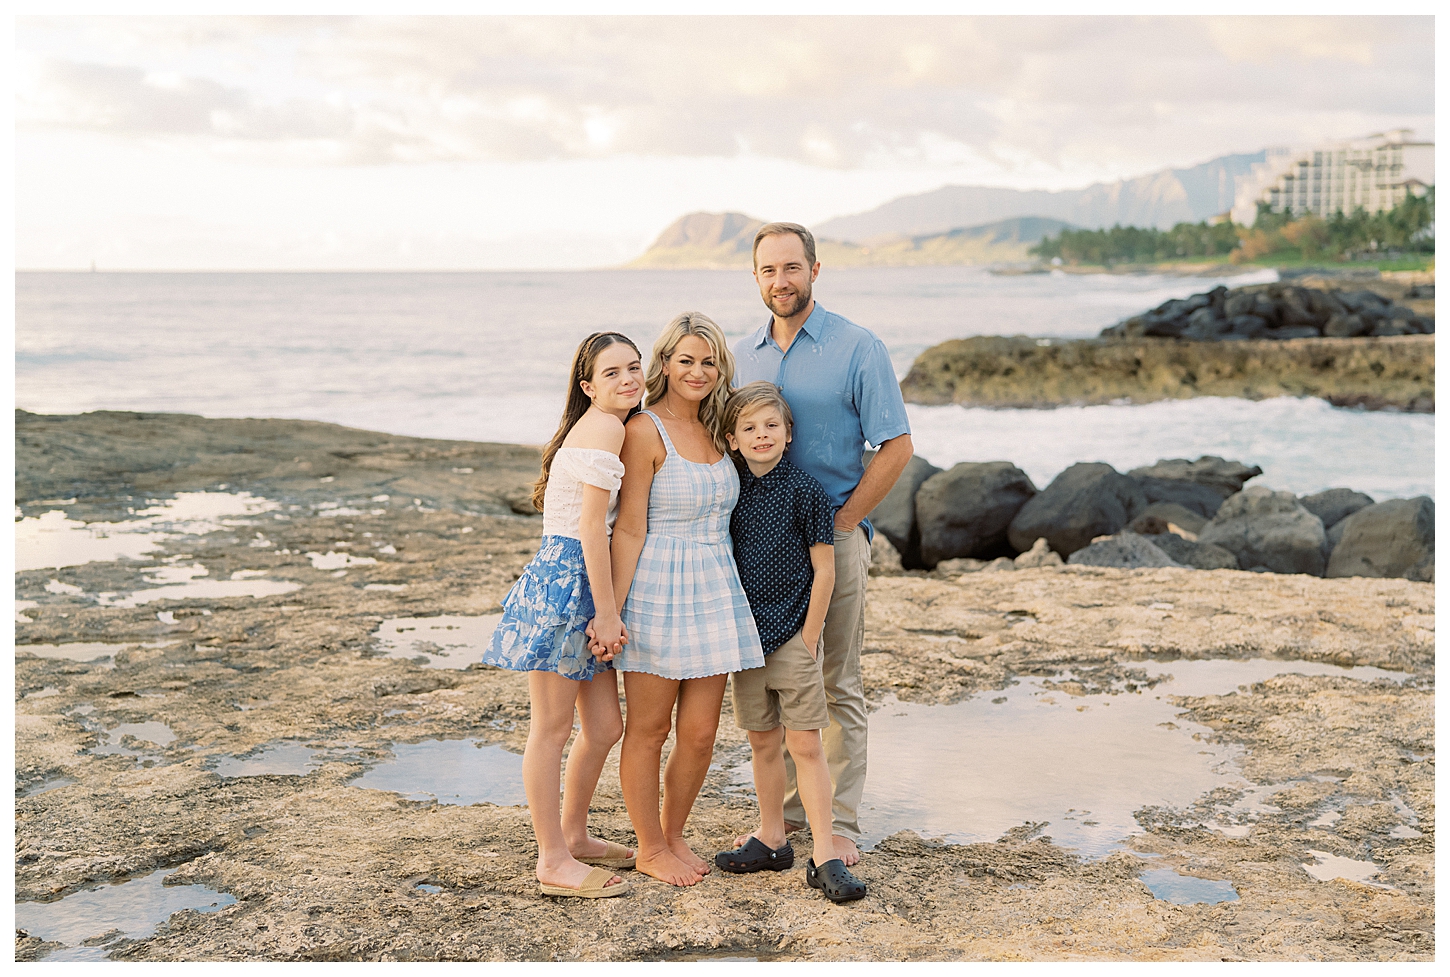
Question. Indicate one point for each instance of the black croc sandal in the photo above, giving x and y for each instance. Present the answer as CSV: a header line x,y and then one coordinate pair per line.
x,y
756,856
835,880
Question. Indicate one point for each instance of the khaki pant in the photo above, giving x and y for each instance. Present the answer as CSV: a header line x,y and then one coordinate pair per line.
x,y
845,738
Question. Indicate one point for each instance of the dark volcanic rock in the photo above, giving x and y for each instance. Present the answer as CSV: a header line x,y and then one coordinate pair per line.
x,y
1264,528
895,517
966,511
1346,325
1224,477
1202,499
1201,556
1334,504
1089,499
1388,539
1278,311
1127,551
1171,512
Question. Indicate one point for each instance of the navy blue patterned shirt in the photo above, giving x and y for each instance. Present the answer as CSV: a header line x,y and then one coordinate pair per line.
x,y
779,517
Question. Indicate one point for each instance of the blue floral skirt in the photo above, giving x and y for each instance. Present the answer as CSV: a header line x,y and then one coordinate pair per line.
x,y
544,616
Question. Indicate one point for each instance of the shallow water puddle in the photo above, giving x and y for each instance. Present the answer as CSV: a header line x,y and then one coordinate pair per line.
x,y
437,642
45,786
51,540
1187,890
287,758
459,772
156,734
181,583
88,652
1083,764
136,908
1327,867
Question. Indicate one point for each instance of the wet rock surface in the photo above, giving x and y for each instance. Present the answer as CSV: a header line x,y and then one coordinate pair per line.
x,y
322,870
1376,373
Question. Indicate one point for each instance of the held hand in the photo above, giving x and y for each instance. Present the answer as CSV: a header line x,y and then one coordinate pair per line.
x,y
609,637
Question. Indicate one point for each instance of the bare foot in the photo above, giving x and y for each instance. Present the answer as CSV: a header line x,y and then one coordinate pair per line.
x,y
570,874
593,848
686,855
663,865
846,849
790,828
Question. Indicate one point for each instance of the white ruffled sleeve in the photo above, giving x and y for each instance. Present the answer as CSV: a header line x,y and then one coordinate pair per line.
x,y
601,469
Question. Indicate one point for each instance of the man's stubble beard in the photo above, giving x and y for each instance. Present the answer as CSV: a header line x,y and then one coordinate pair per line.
x,y
803,299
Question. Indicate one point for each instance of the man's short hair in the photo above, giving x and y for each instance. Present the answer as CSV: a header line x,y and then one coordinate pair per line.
x,y
761,393
808,240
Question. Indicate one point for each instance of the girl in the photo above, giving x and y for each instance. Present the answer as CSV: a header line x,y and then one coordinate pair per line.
x,y
689,622
565,590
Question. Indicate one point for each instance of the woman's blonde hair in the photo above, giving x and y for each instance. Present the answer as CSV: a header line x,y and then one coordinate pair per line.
x,y
576,402
712,408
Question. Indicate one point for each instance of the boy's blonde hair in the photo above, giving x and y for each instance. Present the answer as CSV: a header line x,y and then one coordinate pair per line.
x,y
761,393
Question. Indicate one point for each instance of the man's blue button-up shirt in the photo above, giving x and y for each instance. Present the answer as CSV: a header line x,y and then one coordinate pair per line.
x,y
842,391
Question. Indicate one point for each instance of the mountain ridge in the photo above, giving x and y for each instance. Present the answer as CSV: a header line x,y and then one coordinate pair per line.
x,y
1160,199
724,240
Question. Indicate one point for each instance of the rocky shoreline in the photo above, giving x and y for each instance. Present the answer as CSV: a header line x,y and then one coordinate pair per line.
x,y
1182,513
1354,343
1393,373
322,870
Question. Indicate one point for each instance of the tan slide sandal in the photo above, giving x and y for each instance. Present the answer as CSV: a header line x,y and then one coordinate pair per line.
x,y
615,856
592,887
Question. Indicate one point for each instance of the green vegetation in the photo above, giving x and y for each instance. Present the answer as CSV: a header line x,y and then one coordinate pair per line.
x,y
1140,244
1399,238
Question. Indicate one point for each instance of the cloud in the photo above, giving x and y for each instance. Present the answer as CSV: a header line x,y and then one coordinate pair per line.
x,y
838,92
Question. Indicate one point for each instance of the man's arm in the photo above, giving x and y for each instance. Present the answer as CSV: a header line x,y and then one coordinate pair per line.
x,y
880,476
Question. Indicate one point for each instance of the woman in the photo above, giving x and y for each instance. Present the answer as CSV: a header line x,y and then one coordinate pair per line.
x,y
686,617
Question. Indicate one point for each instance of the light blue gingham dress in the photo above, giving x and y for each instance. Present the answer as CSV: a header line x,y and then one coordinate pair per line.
x,y
686,615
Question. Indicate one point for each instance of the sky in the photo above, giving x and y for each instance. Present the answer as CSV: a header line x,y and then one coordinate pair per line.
x,y
371,142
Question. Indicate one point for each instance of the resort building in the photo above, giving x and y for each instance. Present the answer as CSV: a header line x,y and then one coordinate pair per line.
x,y
1375,173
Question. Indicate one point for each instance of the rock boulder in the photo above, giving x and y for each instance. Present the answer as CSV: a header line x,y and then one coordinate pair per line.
x,y
1041,555
1202,499
1264,528
1200,556
895,516
1087,500
1224,477
1127,551
1388,539
1170,513
1334,504
966,510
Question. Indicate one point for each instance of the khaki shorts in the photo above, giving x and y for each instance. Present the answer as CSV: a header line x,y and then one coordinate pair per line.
x,y
788,690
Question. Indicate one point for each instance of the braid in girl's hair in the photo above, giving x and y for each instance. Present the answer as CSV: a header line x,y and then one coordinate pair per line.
x,y
575,402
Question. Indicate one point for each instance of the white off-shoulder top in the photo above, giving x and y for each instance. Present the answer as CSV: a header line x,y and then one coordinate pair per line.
x,y
572,469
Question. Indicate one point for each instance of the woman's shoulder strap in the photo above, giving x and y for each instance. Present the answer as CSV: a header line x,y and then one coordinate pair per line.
x,y
660,426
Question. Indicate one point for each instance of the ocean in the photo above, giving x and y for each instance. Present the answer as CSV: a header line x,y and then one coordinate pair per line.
x,y
484,355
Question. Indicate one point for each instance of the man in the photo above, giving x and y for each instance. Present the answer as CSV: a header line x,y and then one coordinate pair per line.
x,y
840,385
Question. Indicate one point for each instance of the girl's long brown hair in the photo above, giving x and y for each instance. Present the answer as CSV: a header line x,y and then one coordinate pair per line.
x,y
575,402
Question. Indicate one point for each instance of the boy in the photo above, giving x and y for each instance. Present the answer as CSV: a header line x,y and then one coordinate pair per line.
x,y
782,530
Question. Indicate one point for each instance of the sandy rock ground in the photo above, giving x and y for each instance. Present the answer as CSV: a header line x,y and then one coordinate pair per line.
x,y
325,871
